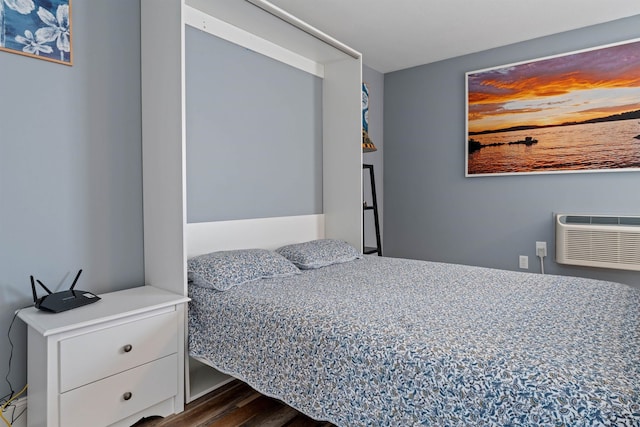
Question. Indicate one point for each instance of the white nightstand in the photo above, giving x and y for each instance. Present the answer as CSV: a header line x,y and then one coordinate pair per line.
x,y
108,363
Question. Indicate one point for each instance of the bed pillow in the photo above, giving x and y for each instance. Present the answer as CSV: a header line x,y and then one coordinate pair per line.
x,y
225,269
319,253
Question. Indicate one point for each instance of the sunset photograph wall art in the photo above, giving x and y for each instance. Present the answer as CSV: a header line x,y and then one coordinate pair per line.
x,y
576,112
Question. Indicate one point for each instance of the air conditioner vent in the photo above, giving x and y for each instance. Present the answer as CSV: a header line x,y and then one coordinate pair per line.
x,y
598,241
573,219
631,220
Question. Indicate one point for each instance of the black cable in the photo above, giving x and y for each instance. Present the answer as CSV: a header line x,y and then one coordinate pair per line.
x,y
14,417
7,397
6,377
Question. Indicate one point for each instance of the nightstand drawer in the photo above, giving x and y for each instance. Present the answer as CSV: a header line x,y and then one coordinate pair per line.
x,y
112,399
99,354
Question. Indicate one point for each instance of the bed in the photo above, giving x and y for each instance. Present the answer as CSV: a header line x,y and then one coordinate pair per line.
x,y
385,341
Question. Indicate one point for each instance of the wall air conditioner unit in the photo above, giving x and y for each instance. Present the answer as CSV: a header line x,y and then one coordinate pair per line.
x,y
598,241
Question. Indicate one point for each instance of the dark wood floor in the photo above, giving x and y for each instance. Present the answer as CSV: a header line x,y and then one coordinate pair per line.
x,y
235,404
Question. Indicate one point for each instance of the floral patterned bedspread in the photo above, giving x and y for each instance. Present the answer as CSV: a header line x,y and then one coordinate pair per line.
x,y
394,342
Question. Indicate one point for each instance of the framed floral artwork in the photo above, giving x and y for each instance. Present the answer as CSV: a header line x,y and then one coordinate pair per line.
x,y
37,28
574,112
367,144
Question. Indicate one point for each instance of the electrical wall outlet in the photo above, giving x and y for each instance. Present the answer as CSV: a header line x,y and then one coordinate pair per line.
x,y
17,407
541,249
524,261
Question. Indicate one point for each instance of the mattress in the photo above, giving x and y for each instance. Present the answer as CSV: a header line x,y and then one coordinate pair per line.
x,y
395,342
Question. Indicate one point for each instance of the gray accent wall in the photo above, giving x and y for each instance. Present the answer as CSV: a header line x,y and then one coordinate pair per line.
x,y
250,151
71,168
433,212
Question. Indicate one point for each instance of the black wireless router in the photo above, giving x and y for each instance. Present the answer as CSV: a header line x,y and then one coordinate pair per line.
x,y
56,302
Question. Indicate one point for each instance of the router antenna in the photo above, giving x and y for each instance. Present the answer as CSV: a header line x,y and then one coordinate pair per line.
x,y
45,288
73,285
33,289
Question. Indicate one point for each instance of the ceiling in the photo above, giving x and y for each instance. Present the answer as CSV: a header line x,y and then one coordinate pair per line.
x,y
397,34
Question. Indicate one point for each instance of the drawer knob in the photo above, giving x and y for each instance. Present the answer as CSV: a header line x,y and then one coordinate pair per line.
x,y
127,395
127,348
